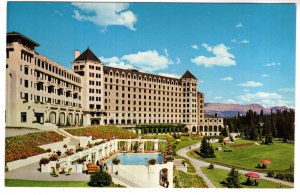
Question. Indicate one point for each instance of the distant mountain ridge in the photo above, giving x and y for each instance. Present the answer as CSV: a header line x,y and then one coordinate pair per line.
x,y
230,110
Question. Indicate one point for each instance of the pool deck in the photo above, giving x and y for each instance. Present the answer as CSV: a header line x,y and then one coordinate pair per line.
x,y
31,172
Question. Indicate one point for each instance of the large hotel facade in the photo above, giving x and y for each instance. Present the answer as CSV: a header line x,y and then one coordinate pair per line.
x,y
43,94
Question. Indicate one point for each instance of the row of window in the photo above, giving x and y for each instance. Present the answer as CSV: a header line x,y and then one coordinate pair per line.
x,y
41,99
54,69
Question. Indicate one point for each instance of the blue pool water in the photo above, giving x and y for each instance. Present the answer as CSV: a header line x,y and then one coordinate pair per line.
x,y
136,159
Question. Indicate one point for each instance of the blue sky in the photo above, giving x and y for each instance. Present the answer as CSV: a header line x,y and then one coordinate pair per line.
x,y
240,53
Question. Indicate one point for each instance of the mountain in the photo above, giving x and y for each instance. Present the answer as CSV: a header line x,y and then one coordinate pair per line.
x,y
230,110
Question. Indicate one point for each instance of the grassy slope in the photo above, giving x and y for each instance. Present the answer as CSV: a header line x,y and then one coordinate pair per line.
x,y
218,175
30,183
185,180
280,154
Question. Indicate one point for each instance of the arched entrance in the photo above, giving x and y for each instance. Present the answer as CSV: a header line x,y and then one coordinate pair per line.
x,y
52,117
61,118
95,122
163,178
76,119
70,118
194,129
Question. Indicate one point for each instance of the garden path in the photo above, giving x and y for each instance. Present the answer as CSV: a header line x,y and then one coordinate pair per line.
x,y
198,163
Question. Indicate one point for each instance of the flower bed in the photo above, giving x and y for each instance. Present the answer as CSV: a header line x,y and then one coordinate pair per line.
x,y
102,132
24,146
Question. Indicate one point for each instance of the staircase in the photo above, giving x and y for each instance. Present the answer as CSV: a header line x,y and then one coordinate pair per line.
x,y
73,139
125,181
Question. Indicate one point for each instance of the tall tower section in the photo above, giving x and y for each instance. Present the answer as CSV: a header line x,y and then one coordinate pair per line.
x,y
89,67
189,101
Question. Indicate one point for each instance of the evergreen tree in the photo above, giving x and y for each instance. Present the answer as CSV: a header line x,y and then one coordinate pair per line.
x,y
206,149
233,179
224,132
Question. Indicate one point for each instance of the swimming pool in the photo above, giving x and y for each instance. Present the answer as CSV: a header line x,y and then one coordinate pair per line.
x,y
136,158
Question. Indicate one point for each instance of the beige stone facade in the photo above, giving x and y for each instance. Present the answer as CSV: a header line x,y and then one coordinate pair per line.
x,y
40,91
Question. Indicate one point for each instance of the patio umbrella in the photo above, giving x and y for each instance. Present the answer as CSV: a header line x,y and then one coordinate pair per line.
x,y
266,161
253,175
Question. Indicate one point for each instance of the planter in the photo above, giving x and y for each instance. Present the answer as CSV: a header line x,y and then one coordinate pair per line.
x,y
45,168
115,168
79,168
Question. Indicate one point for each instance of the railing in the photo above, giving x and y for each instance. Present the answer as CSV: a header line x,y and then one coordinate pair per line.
x,y
40,79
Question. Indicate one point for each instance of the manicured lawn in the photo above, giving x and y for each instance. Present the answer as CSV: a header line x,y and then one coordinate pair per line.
x,y
30,183
218,175
186,141
185,180
102,132
247,155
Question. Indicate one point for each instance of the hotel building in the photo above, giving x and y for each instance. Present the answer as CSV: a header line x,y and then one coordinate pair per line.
x,y
42,94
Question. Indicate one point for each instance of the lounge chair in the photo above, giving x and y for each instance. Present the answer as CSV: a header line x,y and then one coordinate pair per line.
x,y
69,171
55,172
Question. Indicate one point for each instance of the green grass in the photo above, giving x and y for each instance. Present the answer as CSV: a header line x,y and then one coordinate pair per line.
x,y
31,183
185,180
249,156
186,141
218,175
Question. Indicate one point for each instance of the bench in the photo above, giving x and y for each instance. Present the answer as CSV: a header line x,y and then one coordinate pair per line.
x,y
93,169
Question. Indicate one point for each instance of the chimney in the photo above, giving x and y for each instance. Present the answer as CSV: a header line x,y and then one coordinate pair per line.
x,y
76,54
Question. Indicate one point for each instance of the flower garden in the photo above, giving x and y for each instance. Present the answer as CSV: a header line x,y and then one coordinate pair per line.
x,y
24,146
102,132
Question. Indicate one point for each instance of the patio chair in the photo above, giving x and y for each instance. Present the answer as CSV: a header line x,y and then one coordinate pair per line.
x,y
69,171
55,172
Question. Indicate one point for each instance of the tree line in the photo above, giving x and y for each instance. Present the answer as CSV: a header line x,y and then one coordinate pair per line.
x,y
264,127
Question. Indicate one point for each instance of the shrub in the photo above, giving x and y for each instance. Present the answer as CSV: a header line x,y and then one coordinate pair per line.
x,y
44,161
65,146
80,160
152,161
116,161
69,152
233,180
79,149
58,152
100,179
270,174
53,157
48,150
211,166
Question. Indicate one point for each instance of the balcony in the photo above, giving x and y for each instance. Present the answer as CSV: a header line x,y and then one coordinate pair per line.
x,y
40,80
60,86
69,88
51,83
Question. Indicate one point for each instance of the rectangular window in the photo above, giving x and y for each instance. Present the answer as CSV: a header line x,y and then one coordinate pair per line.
x,y
23,117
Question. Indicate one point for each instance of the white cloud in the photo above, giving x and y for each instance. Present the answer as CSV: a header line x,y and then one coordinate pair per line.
x,y
286,90
148,61
115,62
265,99
230,101
251,84
169,75
218,97
264,75
244,41
177,61
248,97
221,57
272,64
105,14
195,46
239,25
227,79
58,13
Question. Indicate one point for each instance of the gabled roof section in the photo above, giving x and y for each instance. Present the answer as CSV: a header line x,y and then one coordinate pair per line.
x,y
87,55
188,75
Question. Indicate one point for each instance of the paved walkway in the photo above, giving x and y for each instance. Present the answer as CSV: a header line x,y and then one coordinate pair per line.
x,y
31,172
197,163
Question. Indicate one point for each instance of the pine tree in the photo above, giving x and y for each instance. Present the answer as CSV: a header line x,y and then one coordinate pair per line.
x,y
233,179
206,149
